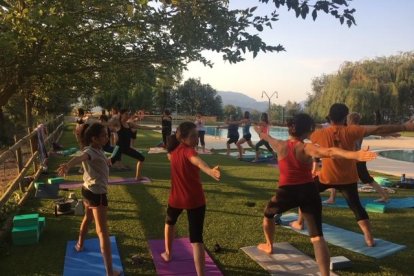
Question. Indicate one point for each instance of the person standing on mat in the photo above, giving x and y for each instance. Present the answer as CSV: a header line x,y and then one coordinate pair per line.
x,y
94,189
126,132
247,136
166,126
296,187
354,118
342,174
232,132
187,191
264,127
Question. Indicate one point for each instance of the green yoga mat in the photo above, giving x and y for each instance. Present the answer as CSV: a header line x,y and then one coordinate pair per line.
x,y
348,239
393,203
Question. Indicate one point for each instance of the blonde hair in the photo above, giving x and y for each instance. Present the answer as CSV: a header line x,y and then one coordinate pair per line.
x,y
354,118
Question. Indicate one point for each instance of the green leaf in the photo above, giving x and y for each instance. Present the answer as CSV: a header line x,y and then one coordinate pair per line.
x,y
259,28
314,15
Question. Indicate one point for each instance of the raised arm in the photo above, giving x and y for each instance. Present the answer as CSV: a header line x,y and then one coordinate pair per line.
x,y
389,129
321,152
213,172
64,168
274,143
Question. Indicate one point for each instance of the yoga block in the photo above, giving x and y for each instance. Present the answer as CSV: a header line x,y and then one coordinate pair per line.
x,y
56,180
340,262
25,232
26,220
39,184
25,241
42,223
375,208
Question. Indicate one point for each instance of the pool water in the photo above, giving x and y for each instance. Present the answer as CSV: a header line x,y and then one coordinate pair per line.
x,y
402,155
276,132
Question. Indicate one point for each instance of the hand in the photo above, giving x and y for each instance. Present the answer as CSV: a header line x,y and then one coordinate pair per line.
x,y
63,169
366,155
215,173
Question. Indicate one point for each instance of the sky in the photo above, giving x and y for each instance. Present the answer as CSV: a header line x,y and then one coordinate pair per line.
x,y
313,48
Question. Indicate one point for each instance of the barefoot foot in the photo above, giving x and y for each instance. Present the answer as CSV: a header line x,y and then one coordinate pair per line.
x,y
265,248
329,201
166,257
78,247
296,225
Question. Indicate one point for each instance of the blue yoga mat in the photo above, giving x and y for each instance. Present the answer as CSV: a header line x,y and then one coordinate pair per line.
x,y
393,203
348,239
90,260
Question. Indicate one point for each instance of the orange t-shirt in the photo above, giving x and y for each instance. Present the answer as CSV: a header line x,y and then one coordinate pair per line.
x,y
338,171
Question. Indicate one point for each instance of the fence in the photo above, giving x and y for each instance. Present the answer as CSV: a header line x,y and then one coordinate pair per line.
x,y
22,159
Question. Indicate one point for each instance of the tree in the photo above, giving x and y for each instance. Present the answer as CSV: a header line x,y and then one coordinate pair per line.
x,y
194,97
79,40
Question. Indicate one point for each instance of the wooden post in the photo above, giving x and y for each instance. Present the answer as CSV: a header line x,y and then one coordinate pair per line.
x,y
32,148
19,161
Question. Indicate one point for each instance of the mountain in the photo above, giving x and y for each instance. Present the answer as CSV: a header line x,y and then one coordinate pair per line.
x,y
245,102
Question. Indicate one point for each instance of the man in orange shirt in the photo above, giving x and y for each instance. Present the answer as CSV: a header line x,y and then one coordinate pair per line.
x,y
341,174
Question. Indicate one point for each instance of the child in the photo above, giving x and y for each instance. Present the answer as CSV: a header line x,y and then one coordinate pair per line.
x,y
166,125
94,189
247,136
296,187
186,191
80,120
264,126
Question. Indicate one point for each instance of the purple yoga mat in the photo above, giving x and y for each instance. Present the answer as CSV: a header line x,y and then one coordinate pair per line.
x,y
182,262
112,181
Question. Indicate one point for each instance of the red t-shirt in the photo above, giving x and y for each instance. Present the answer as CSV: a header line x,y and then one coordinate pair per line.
x,y
292,171
186,189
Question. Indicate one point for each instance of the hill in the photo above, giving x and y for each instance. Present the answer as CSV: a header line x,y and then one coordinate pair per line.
x,y
245,102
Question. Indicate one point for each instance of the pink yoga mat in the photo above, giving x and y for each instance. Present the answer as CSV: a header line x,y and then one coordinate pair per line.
x,y
112,181
182,262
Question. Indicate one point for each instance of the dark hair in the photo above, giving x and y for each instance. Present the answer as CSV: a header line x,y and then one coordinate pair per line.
x,y
167,112
246,114
264,117
81,112
103,118
338,113
90,131
183,131
300,124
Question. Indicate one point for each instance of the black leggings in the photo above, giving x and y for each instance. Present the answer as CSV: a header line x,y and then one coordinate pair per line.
x,y
263,143
306,197
195,221
165,134
350,193
128,151
201,134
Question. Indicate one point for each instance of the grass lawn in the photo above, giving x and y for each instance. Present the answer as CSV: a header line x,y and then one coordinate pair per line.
x,y
407,134
137,214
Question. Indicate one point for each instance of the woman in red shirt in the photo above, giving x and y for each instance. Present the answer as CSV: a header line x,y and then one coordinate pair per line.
x,y
187,191
296,187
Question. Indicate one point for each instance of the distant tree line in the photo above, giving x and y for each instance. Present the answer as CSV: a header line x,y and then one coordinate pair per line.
x,y
381,89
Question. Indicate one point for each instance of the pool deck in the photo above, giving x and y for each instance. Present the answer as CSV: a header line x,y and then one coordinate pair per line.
x,y
381,164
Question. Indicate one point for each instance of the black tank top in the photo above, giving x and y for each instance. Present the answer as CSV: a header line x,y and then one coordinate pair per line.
x,y
124,137
166,124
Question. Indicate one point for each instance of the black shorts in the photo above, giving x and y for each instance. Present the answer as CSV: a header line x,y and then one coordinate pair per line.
x,y
130,152
94,200
305,196
363,173
350,193
232,139
195,221
247,137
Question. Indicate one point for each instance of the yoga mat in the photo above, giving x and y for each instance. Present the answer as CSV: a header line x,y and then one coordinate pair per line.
x,y
49,191
286,260
112,181
349,240
182,262
206,151
393,203
89,262
157,150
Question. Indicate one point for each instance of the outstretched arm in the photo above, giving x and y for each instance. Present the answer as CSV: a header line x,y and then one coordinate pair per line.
x,y
321,152
388,129
274,143
213,172
64,168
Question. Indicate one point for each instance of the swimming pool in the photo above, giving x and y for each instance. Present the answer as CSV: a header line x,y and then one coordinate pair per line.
x,y
402,155
276,132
